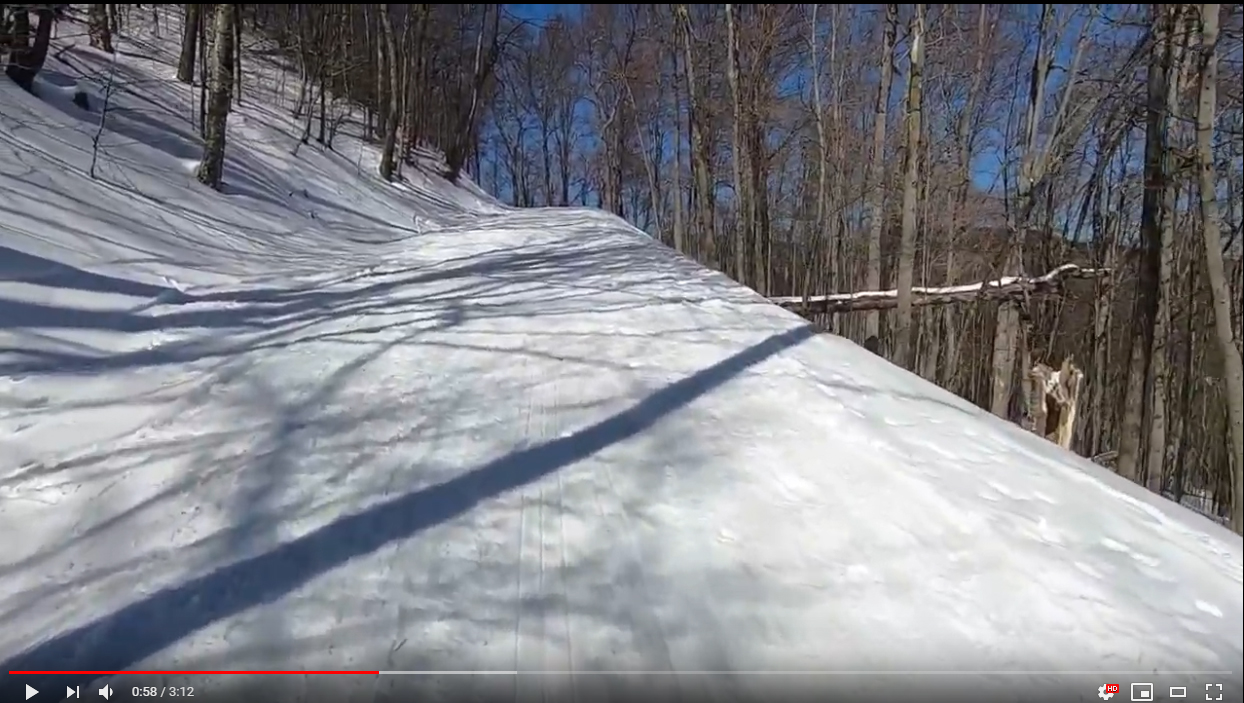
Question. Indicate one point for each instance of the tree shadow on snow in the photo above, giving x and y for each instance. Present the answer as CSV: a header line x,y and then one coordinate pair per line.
x,y
474,286
17,266
127,636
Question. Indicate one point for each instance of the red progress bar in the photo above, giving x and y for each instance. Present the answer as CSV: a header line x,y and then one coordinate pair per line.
x,y
192,672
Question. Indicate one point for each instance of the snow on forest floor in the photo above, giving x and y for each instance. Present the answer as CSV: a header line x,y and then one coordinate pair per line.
x,y
320,421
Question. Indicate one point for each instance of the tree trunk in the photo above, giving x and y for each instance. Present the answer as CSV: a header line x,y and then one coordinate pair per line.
x,y
822,142
950,369
464,132
189,43
15,36
700,156
237,53
391,113
98,27
758,204
903,355
1183,433
646,156
1233,369
1007,333
1159,366
26,62
211,169
736,149
876,168
381,76
838,196
1107,236
203,76
680,244
1138,401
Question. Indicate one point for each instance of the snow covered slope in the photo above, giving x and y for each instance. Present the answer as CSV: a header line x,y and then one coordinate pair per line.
x,y
322,422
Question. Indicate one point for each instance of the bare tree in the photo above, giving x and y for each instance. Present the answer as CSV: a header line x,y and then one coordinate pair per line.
x,y
876,194
1159,352
487,51
189,42
26,59
211,168
964,149
99,27
1139,402
737,153
700,150
1228,346
391,73
903,355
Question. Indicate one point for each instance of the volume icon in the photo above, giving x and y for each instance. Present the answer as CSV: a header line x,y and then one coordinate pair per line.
x,y
106,691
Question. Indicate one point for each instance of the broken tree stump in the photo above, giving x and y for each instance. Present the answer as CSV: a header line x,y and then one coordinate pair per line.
x,y
1051,400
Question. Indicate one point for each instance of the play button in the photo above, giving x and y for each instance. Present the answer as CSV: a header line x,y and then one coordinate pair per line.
x,y
31,691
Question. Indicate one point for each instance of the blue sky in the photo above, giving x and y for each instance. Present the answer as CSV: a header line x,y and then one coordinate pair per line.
x,y
538,13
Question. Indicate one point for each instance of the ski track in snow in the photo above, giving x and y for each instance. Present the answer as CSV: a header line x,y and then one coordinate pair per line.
x,y
236,435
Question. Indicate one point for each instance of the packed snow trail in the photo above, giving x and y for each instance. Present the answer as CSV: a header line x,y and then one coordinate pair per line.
x,y
564,448
517,440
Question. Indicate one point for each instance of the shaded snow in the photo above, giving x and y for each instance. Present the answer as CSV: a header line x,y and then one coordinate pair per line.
x,y
320,421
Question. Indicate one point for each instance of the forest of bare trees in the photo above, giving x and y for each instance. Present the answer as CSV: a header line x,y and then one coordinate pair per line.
x,y
813,150
817,149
